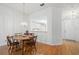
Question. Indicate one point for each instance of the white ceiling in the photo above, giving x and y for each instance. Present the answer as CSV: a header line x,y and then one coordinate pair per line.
x,y
29,8
26,7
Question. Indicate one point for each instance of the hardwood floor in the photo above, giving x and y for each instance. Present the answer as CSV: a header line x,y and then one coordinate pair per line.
x,y
68,48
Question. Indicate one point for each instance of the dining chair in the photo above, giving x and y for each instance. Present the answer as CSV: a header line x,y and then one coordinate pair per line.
x,y
32,44
34,41
12,44
26,46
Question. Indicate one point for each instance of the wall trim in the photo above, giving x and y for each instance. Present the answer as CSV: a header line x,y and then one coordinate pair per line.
x,y
48,43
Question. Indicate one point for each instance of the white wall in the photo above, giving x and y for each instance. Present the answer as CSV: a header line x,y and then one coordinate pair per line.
x,y
70,23
10,23
56,25
53,34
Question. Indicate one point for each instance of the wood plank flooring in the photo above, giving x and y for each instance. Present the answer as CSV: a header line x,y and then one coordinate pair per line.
x,y
68,48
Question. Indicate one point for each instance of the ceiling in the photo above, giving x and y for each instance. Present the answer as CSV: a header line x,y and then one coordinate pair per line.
x,y
29,8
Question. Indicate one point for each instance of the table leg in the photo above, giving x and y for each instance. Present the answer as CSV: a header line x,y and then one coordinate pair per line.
x,y
22,46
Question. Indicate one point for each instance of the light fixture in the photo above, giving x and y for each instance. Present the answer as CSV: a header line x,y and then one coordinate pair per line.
x,y
42,4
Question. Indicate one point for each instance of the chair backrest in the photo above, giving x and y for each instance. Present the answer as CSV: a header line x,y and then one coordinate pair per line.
x,y
35,38
31,34
9,40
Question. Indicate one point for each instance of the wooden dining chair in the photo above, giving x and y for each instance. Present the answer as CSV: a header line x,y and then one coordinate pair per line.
x,y
11,43
32,44
33,40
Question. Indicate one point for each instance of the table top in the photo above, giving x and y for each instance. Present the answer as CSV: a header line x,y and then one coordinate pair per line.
x,y
23,37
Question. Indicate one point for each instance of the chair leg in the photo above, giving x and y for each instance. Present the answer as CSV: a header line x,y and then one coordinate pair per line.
x,y
10,49
34,49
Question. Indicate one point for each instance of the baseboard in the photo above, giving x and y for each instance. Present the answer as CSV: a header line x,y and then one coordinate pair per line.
x,y
71,40
3,44
50,43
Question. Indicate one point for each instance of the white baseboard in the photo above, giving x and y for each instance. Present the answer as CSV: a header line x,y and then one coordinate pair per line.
x,y
3,44
48,43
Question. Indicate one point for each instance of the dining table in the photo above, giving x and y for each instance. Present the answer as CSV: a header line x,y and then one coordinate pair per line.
x,y
22,37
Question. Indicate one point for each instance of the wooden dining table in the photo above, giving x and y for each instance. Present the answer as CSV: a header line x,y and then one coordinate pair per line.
x,y
22,39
